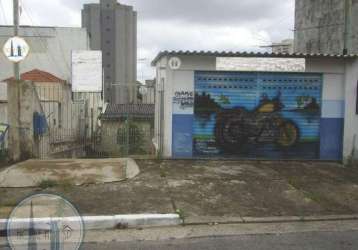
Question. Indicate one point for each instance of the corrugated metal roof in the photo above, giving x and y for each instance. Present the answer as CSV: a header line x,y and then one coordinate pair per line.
x,y
248,54
118,111
37,75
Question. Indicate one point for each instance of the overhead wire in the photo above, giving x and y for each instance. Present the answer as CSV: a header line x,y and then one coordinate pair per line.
x,y
42,41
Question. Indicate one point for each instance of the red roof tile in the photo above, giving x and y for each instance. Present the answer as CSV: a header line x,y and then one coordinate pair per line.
x,y
38,76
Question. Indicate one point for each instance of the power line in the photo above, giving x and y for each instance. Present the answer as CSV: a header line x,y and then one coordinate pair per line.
x,y
42,43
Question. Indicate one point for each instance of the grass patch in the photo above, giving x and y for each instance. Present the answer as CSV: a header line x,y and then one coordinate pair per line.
x,y
294,183
314,197
9,203
45,184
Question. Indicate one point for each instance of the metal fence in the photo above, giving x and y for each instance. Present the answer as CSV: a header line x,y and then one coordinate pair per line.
x,y
77,129
71,125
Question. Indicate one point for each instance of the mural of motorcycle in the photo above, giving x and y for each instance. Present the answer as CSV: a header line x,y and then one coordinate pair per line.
x,y
238,127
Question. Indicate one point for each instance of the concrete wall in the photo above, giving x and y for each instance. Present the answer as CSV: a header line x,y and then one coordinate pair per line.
x,y
350,150
50,49
3,102
23,102
172,81
333,105
113,145
338,120
320,26
113,29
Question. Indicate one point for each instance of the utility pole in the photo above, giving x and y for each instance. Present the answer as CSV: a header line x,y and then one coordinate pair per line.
x,y
347,26
16,33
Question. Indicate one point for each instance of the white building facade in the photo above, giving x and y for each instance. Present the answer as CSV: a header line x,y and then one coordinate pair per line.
x,y
50,49
203,112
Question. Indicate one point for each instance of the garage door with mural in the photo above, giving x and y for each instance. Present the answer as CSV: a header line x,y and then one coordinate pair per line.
x,y
257,115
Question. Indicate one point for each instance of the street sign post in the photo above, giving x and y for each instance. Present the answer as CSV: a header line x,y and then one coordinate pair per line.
x,y
16,49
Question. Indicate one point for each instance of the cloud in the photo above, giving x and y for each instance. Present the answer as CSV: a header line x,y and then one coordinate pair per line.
x,y
182,25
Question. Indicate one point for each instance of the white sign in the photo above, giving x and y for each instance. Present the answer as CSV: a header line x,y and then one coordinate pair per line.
x,y
87,71
174,63
59,226
16,49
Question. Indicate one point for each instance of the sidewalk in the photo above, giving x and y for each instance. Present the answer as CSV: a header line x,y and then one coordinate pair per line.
x,y
214,191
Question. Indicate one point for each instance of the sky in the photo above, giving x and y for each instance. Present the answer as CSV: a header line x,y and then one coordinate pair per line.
x,y
223,25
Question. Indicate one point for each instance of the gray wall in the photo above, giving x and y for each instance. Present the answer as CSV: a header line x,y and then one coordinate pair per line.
x,y
112,28
50,49
320,26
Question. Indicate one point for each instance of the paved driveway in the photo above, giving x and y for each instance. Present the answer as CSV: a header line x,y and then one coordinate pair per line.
x,y
222,189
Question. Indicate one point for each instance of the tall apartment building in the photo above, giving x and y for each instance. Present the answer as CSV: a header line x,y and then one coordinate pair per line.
x,y
326,26
285,46
112,28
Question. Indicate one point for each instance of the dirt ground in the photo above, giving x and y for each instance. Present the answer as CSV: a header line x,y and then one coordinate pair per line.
x,y
214,188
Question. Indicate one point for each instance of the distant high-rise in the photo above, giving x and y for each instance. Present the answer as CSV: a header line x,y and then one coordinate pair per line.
x,y
326,26
112,28
285,46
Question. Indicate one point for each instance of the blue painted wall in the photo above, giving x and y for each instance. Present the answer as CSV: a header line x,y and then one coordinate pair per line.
x,y
332,128
331,138
319,122
221,94
182,136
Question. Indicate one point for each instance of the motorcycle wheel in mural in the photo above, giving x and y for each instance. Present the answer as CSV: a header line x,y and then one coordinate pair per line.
x,y
238,127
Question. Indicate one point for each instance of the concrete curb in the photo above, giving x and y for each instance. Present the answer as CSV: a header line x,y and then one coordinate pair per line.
x,y
102,222
253,220
162,220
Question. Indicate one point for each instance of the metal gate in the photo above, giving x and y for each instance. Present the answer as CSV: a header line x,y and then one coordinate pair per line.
x,y
257,115
81,125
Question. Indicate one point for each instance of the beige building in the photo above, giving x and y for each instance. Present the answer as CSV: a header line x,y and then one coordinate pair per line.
x,y
126,129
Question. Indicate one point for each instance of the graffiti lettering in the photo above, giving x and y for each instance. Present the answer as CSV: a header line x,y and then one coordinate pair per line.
x,y
184,99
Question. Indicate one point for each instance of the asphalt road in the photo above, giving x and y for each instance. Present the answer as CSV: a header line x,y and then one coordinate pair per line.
x,y
320,235
293,241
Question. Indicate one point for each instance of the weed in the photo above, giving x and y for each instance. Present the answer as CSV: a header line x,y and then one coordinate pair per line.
x,y
163,173
65,184
45,184
181,214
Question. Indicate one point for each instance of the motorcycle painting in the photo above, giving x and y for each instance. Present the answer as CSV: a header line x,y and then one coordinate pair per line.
x,y
253,118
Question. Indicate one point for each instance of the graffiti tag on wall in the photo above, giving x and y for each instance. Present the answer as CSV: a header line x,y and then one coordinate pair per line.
x,y
183,100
